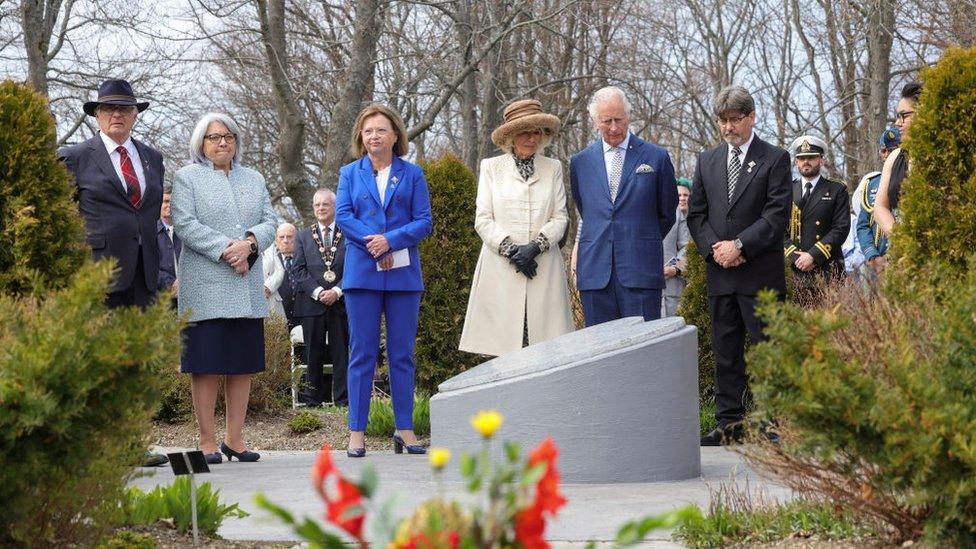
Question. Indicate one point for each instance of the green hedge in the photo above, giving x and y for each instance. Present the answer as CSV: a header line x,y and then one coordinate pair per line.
x,y
78,382
449,256
936,232
43,243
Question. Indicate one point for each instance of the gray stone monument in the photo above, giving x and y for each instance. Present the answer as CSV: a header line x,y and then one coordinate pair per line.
x,y
620,399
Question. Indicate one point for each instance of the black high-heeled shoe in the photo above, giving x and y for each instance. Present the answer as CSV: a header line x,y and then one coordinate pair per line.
x,y
214,458
246,455
399,445
356,452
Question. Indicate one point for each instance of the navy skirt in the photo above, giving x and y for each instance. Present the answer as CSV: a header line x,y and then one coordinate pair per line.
x,y
223,346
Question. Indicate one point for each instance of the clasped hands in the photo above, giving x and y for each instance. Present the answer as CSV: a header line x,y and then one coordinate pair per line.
x,y
804,262
236,254
524,258
377,245
727,255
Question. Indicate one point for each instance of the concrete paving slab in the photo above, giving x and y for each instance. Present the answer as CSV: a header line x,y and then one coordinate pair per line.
x,y
594,511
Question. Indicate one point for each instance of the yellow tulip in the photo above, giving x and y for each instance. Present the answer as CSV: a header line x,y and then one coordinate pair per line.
x,y
439,457
486,422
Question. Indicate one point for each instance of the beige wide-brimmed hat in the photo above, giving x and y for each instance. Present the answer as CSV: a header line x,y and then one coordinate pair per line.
x,y
524,115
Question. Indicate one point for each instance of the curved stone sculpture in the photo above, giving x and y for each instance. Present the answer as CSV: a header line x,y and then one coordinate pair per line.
x,y
620,399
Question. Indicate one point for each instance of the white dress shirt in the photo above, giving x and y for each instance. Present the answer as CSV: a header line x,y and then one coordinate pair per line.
x,y
742,155
328,237
804,180
382,180
608,153
111,146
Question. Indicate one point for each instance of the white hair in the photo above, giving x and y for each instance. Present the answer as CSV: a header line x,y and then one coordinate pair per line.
x,y
284,226
326,192
196,138
604,94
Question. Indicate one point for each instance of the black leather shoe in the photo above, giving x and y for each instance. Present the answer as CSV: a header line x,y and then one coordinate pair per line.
x,y
214,458
723,436
246,455
399,445
154,460
356,452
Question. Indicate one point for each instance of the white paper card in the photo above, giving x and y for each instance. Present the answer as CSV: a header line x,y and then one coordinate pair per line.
x,y
401,258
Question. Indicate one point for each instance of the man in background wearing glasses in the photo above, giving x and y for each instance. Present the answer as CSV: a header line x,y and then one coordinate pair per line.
x,y
737,214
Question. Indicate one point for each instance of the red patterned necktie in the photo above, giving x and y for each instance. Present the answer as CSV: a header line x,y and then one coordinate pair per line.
x,y
129,173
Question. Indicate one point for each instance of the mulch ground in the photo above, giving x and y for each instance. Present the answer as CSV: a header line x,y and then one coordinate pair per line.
x,y
271,432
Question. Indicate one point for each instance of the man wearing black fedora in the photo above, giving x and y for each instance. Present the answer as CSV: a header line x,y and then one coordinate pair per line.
x,y
119,190
119,184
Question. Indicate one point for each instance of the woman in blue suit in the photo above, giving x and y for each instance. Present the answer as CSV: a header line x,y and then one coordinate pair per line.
x,y
383,209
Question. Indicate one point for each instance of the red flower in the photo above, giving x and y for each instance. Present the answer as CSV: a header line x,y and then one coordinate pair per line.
x,y
529,528
344,510
547,491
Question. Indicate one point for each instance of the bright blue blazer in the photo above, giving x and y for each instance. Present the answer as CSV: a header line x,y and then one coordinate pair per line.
x,y
404,221
627,232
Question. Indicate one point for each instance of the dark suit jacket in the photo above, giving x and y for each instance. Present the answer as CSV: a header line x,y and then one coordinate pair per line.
x,y
307,271
114,226
819,228
757,215
627,232
169,254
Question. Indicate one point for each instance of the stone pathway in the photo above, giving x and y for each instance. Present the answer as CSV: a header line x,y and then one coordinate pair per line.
x,y
594,511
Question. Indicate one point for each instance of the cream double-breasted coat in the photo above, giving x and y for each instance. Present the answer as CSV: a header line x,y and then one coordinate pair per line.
x,y
502,299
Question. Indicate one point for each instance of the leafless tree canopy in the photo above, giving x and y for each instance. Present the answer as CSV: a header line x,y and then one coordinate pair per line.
x,y
294,73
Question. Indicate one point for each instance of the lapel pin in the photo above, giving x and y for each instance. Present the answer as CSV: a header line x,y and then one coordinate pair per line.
x,y
752,164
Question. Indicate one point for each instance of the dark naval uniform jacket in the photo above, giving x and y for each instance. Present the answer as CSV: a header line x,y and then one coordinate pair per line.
x,y
819,226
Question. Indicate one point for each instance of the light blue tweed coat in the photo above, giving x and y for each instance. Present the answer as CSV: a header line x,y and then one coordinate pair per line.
x,y
209,210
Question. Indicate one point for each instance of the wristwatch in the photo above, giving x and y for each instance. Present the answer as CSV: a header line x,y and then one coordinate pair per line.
x,y
738,244
254,247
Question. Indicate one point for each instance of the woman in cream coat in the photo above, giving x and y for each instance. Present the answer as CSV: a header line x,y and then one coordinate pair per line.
x,y
519,293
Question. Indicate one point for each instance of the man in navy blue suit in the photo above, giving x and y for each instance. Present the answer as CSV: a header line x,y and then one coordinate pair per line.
x,y
625,194
119,183
170,247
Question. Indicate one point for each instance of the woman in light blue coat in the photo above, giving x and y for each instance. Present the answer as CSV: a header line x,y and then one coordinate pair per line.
x,y
222,212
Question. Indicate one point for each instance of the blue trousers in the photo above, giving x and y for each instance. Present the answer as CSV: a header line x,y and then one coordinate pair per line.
x,y
364,308
618,301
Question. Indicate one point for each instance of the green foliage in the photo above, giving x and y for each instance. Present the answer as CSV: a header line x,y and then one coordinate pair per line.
x,y
125,539
449,256
270,389
78,384
884,403
307,529
936,231
725,526
381,422
694,309
41,231
305,421
174,502
706,418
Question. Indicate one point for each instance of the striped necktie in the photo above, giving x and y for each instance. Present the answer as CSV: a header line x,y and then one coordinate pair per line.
x,y
735,166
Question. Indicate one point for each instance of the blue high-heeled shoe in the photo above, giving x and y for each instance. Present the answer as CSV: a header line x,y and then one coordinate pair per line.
x,y
356,452
214,458
399,445
246,455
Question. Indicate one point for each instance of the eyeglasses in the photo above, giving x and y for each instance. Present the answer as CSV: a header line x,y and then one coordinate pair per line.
x,y
731,121
216,138
112,109
904,115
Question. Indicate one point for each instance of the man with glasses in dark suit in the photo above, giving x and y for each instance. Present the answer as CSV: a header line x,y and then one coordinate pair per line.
x,y
737,215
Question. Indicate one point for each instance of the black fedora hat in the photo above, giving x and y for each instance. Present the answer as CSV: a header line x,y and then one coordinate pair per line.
x,y
115,92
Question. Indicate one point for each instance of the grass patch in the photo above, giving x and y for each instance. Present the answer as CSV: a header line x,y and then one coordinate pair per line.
x,y
381,423
706,418
124,539
305,421
734,518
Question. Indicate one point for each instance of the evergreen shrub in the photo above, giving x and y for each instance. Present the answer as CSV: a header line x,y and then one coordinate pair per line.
x,y
42,235
936,229
694,308
78,385
449,256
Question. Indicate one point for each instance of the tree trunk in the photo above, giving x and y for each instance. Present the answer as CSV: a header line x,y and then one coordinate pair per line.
x,y
357,82
290,146
880,35
37,23
469,90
